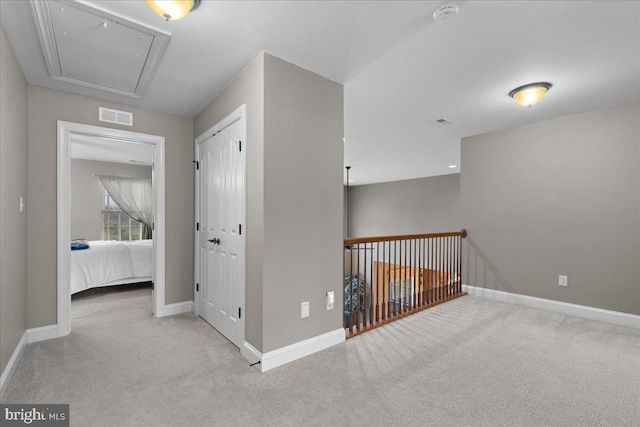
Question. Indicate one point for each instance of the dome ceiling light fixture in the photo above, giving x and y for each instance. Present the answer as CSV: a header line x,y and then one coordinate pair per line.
x,y
172,10
530,94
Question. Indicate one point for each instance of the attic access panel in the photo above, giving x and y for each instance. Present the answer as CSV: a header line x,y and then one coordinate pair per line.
x,y
87,46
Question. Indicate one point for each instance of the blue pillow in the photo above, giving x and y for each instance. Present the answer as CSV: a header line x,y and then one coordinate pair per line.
x,y
77,245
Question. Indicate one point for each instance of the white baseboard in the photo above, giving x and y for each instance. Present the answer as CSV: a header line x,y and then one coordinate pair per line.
x,y
12,364
42,333
176,308
292,352
250,353
29,336
593,313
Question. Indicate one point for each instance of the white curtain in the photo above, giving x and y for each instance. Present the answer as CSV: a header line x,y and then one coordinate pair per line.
x,y
134,197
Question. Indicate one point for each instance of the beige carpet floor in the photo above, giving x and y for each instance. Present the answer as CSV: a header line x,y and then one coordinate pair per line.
x,y
469,362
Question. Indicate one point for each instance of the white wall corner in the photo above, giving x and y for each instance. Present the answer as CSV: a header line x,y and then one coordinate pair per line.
x,y
292,352
569,309
176,308
13,363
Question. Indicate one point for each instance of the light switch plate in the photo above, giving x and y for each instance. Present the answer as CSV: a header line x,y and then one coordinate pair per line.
x,y
304,310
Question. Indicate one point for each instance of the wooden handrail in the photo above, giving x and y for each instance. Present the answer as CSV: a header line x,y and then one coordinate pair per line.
x,y
389,277
462,233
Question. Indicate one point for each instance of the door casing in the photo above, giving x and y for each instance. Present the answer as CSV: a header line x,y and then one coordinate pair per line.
x,y
65,131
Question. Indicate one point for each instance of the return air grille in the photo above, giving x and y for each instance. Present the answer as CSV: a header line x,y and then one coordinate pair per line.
x,y
115,116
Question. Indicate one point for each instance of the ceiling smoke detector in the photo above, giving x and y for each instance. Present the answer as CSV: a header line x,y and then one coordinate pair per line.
x,y
445,13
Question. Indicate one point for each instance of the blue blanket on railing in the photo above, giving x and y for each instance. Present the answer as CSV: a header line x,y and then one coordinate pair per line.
x,y
77,245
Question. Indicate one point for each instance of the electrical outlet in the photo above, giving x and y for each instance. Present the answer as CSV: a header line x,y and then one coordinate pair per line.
x,y
304,310
563,280
330,300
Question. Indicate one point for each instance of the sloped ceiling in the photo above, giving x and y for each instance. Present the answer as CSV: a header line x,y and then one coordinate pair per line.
x,y
401,71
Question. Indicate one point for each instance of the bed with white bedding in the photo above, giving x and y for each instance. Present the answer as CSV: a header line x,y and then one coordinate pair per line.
x,y
108,263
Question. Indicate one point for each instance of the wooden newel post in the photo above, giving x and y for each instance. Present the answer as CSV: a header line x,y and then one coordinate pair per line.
x,y
463,233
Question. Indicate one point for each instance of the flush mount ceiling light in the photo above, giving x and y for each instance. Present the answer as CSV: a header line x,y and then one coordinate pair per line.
x,y
172,10
530,94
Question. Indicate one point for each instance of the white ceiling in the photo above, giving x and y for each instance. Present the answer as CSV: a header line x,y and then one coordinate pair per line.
x,y
463,71
401,71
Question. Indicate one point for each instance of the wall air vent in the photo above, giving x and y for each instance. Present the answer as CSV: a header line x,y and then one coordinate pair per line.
x,y
115,116
444,122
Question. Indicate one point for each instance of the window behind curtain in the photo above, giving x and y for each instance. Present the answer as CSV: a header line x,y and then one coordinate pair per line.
x,y
116,225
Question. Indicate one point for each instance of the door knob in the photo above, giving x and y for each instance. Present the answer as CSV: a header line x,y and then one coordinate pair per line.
x,y
215,241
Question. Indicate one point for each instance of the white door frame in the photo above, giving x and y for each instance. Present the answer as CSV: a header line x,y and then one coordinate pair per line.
x,y
65,131
239,113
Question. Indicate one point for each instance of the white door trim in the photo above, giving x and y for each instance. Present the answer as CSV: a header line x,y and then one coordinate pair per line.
x,y
65,130
239,113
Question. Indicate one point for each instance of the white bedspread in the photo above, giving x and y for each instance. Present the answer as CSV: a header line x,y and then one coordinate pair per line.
x,y
107,262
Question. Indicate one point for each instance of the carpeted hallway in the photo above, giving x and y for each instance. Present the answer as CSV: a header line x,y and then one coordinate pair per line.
x,y
469,362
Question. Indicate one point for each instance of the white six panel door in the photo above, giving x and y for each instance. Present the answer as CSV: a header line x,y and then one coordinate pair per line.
x,y
221,187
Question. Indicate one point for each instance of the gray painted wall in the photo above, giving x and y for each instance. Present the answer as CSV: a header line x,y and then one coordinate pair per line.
x,y
86,194
294,197
423,205
303,161
45,108
557,197
13,184
247,88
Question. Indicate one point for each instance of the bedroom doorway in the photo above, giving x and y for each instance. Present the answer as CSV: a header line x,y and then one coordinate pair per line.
x,y
131,208
220,215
